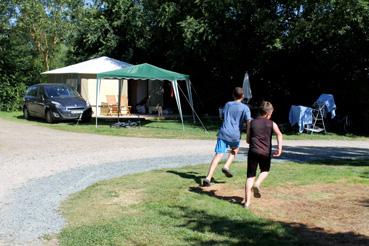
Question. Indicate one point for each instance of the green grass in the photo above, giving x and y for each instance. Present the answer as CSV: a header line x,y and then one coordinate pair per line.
x,y
166,207
148,128
159,129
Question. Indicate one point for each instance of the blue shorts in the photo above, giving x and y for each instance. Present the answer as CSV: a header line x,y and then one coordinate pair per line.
x,y
223,145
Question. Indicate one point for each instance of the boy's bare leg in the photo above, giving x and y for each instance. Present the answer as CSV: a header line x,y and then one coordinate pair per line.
x,y
231,157
248,190
213,165
261,178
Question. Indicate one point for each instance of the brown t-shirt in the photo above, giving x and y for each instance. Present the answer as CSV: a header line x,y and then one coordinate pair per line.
x,y
261,136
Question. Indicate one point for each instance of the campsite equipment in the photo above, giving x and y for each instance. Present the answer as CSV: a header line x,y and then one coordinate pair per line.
x,y
323,105
246,88
150,73
312,118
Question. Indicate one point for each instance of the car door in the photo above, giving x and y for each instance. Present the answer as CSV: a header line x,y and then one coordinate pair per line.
x,y
30,100
39,105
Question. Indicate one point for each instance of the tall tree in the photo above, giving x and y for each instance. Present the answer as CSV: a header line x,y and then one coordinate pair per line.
x,y
286,45
32,35
46,23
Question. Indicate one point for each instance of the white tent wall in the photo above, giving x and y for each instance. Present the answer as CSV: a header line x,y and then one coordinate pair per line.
x,y
108,87
85,90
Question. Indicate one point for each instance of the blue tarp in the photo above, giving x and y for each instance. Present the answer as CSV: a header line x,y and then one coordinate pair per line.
x,y
300,115
328,101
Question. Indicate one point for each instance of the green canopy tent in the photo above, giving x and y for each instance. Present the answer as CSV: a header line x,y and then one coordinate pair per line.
x,y
147,71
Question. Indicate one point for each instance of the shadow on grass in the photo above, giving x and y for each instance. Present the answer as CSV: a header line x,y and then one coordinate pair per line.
x,y
249,230
364,175
318,236
364,203
208,192
211,229
194,176
339,156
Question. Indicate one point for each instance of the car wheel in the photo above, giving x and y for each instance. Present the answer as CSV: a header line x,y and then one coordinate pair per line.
x,y
26,113
86,119
49,117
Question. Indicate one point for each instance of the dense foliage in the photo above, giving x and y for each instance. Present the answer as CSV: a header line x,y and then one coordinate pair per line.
x,y
293,50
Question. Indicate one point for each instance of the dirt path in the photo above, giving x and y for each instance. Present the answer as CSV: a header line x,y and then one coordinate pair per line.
x,y
329,214
39,167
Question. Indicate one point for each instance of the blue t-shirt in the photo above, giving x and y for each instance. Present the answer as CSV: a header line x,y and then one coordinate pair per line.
x,y
234,115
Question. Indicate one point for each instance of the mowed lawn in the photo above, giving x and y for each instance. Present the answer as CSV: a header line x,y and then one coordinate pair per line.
x,y
159,128
167,207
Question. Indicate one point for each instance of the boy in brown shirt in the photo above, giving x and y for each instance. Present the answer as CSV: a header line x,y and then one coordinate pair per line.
x,y
259,137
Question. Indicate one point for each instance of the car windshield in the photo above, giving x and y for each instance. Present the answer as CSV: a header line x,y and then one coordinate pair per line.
x,y
54,91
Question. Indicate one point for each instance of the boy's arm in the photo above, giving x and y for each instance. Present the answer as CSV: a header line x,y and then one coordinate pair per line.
x,y
248,131
277,132
248,120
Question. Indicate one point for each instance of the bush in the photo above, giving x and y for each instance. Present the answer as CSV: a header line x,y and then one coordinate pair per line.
x,y
11,93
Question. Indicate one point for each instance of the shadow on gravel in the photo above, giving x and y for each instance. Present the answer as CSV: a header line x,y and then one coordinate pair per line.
x,y
324,155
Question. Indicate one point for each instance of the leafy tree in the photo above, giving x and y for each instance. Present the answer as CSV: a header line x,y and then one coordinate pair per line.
x,y
45,23
293,50
32,35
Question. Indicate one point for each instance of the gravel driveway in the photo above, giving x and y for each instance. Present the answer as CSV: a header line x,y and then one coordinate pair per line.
x,y
40,167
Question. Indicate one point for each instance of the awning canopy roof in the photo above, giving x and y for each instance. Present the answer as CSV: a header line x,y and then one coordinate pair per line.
x,y
93,66
144,71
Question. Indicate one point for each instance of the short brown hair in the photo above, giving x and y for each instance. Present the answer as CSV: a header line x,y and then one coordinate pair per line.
x,y
238,93
265,108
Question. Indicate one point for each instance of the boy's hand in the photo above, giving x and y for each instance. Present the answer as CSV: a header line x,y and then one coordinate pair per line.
x,y
277,152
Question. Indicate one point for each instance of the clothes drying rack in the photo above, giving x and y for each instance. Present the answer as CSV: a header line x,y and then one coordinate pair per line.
x,y
318,114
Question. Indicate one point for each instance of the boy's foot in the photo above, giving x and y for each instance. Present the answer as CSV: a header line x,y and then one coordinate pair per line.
x,y
205,183
247,206
256,191
227,172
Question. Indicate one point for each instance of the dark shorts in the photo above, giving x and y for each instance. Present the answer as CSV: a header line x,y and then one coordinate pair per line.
x,y
253,160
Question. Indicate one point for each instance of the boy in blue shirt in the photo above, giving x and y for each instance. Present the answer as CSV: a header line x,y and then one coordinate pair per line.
x,y
235,114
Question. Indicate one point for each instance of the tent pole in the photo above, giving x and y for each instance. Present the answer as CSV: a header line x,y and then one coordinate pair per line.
x,y
98,82
176,94
119,94
193,110
189,92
